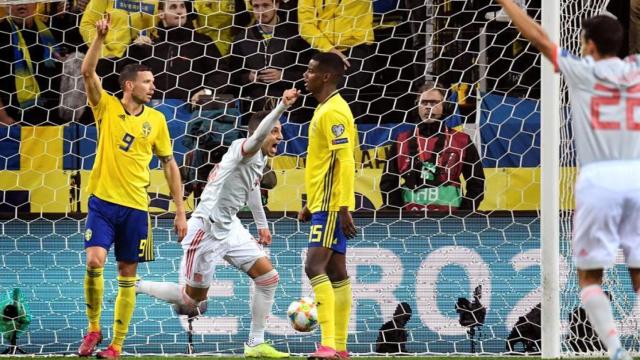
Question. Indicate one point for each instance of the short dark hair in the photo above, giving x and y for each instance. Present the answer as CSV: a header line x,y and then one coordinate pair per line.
x,y
431,85
256,119
130,72
330,63
275,2
606,32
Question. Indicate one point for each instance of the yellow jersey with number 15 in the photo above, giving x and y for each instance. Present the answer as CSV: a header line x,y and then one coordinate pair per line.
x,y
329,182
126,144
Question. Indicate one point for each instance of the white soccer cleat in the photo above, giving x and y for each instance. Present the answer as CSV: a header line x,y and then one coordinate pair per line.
x,y
621,354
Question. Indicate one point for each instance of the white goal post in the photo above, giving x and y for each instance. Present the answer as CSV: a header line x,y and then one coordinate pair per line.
x,y
550,190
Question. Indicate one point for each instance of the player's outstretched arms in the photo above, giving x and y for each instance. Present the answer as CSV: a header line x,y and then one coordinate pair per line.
x,y
530,29
254,142
90,62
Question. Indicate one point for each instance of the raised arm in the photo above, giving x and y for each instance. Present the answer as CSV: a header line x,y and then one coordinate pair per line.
x,y
254,142
91,80
530,29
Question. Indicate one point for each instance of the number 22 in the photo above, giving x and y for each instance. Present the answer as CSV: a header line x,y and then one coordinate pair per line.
x,y
631,105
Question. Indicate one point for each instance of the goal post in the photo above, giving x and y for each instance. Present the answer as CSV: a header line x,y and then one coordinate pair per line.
x,y
550,190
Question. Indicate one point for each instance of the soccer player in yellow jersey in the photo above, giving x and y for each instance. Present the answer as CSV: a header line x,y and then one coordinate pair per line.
x,y
329,181
128,135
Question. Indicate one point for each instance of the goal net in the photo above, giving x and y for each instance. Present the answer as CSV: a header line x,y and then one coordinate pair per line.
x,y
469,278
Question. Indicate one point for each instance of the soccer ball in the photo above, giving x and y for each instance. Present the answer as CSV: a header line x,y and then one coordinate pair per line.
x,y
303,315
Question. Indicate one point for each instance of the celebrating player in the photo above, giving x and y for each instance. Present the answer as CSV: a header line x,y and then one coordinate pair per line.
x,y
216,233
604,93
329,182
128,134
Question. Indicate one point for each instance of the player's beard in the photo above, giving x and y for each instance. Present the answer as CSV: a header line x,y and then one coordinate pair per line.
x,y
139,100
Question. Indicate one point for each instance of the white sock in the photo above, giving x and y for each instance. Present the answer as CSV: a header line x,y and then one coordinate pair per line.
x,y
174,294
261,302
598,308
167,291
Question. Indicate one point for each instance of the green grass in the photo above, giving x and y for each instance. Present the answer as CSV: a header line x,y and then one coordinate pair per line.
x,y
209,357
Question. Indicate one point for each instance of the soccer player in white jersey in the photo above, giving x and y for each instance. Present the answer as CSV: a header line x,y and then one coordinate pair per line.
x,y
215,232
604,92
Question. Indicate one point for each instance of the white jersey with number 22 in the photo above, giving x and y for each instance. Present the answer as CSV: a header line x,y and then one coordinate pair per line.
x,y
605,106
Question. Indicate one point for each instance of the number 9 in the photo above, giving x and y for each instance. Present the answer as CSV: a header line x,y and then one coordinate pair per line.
x,y
128,140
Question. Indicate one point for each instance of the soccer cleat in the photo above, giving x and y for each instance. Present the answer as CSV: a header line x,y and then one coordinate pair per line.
x,y
621,354
343,355
89,343
323,352
263,350
109,353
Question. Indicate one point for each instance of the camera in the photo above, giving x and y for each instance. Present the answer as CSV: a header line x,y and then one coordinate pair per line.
x,y
472,314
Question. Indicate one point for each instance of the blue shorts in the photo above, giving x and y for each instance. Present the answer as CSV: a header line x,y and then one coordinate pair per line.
x,y
127,228
326,232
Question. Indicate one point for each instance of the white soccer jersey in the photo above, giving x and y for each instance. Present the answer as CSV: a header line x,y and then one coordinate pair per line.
x,y
229,185
605,106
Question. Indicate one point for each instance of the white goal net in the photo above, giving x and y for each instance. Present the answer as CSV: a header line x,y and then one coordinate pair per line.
x,y
466,270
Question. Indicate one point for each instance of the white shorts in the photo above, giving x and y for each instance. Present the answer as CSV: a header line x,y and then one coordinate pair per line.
x,y
203,250
607,215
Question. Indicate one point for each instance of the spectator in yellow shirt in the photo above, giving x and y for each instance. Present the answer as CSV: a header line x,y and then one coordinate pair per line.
x,y
129,19
215,19
345,28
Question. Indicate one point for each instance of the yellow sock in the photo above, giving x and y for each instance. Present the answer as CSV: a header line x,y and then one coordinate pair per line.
x,y
125,304
93,290
343,297
325,301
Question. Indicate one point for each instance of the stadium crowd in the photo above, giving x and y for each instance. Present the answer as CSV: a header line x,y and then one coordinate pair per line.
x,y
245,53
253,49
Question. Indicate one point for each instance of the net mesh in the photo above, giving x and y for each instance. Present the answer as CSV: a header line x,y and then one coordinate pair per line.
x,y
471,278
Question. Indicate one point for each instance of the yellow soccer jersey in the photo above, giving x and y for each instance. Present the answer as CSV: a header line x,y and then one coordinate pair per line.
x,y
330,168
126,144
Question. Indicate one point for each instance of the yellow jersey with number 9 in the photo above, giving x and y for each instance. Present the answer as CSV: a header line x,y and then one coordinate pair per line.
x,y
126,144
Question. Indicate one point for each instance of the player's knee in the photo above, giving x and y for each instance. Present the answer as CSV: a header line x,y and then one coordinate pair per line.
x,y
191,310
194,294
590,277
312,270
192,304
337,274
269,279
94,262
